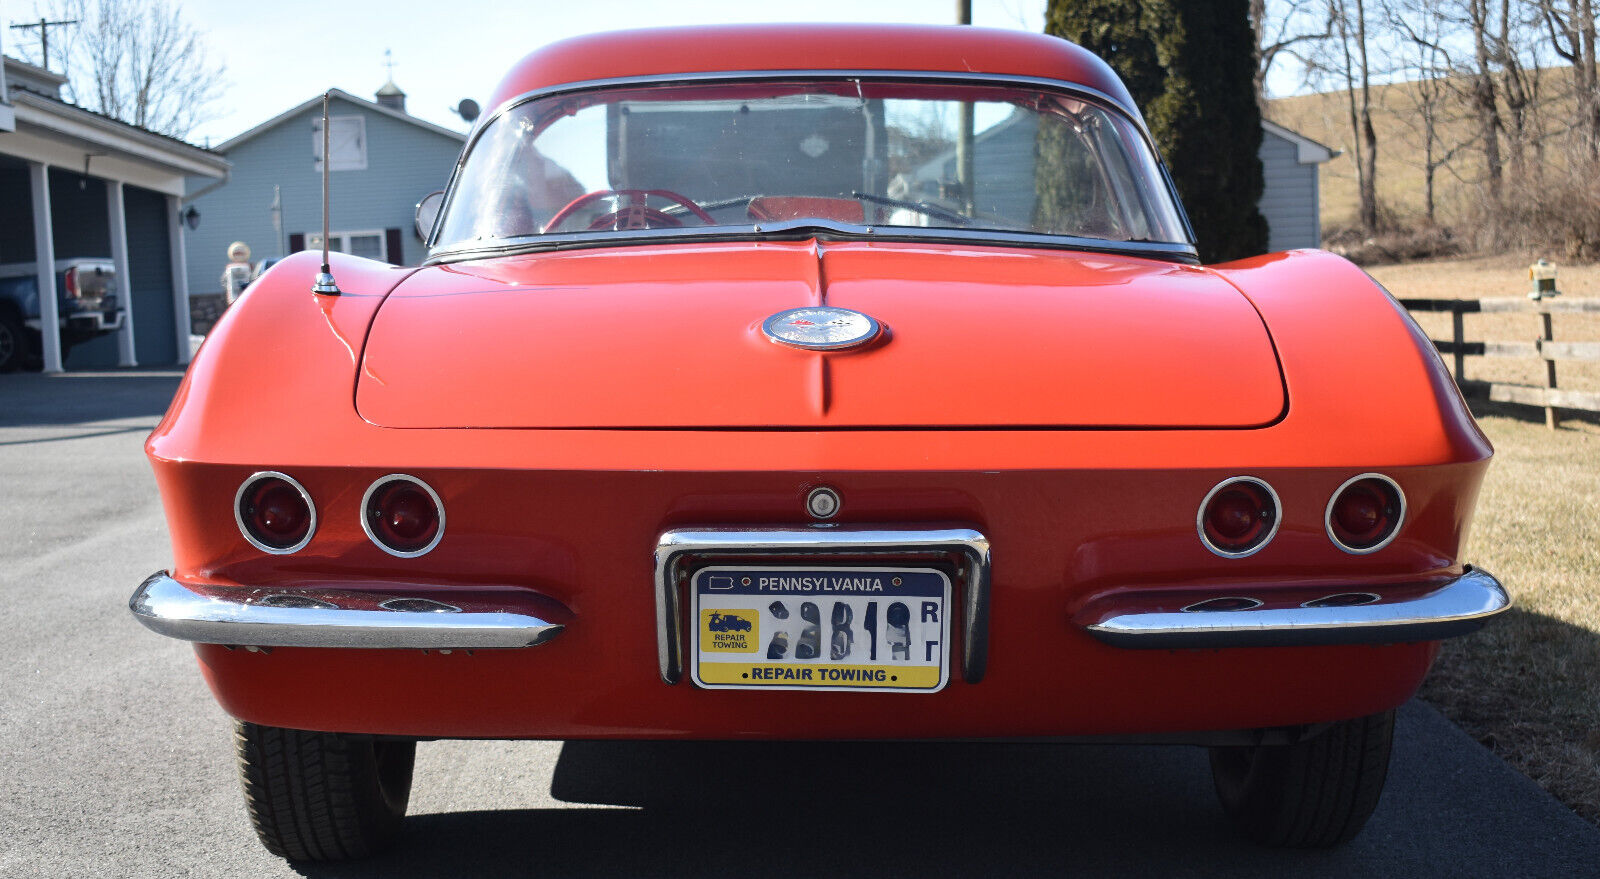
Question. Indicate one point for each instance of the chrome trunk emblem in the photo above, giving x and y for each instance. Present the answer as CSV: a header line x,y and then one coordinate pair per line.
x,y
821,328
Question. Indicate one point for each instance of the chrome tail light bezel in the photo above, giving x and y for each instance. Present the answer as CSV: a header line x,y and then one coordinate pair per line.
x,y
366,522
244,529
1394,531
1205,503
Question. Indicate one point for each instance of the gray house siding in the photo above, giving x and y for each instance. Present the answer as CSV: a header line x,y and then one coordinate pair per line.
x,y
1007,144
1289,201
404,163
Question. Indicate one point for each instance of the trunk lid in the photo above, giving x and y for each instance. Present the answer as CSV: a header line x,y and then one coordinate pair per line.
x,y
670,337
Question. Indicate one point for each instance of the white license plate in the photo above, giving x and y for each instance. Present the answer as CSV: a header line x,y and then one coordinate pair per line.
x,y
817,628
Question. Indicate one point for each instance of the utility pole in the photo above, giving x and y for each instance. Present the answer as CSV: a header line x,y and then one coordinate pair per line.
x,y
965,164
44,36
277,221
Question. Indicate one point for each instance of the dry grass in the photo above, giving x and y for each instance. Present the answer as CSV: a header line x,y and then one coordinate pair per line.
x,y
1528,686
1492,276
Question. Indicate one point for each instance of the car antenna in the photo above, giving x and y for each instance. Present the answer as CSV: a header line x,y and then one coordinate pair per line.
x,y
325,284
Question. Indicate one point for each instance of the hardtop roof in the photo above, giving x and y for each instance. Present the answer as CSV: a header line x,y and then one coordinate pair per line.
x,y
810,47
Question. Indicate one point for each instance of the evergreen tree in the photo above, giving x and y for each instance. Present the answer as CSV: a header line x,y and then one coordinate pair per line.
x,y
1190,65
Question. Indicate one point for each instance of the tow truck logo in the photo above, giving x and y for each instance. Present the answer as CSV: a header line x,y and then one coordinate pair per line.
x,y
729,630
727,623
821,328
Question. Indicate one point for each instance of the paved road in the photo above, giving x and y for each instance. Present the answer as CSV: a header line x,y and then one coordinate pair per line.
x,y
117,763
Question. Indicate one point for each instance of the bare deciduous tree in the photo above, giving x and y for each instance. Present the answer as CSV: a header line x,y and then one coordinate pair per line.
x,y
134,60
1485,97
1343,62
1458,77
1519,84
1427,65
1352,65
1572,34
1283,28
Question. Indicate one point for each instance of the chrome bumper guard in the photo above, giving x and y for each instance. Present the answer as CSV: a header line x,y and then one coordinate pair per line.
x,y
261,617
675,547
1458,607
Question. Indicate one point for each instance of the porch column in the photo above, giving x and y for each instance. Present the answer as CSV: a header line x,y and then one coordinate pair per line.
x,y
180,274
126,353
44,254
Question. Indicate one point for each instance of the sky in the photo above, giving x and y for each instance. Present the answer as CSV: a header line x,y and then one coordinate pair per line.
x,y
281,53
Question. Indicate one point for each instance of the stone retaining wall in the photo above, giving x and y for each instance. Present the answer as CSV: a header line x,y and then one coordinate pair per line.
x,y
204,310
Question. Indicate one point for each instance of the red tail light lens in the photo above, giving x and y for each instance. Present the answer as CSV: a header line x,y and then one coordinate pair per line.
x,y
402,515
1238,517
275,513
70,279
1365,513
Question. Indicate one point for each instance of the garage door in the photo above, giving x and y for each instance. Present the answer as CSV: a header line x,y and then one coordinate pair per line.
x,y
150,277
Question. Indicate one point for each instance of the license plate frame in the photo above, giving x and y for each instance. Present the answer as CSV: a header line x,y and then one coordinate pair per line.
x,y
734,620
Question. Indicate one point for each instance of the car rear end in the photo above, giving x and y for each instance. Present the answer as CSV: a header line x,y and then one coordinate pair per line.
x,y
446,568
742,401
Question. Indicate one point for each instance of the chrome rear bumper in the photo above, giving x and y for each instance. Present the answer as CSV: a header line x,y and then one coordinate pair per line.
x,y
1456,608
262,617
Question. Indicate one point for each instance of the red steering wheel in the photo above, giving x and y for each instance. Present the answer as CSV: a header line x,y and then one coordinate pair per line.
x,y
635,214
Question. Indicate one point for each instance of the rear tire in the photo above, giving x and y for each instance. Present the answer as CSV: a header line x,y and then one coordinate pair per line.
x,y
1313,794
316,796
13,343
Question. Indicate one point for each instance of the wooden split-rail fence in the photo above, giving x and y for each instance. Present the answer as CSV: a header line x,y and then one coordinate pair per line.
x,y
1544,348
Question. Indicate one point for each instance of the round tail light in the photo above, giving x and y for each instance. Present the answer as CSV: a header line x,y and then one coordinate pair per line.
x,y
1365,513
402,515
275,513
1238,517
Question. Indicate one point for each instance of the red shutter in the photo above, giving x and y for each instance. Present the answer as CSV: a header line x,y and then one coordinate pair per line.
x,y
391,246
297,242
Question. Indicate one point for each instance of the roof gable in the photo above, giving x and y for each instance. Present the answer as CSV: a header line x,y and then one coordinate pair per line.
x,y
342,95
19,74
1307,151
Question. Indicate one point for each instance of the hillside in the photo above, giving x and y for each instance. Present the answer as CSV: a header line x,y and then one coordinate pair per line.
x,y
1325,117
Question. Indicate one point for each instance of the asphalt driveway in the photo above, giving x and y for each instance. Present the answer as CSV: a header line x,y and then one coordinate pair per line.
x,y
117,763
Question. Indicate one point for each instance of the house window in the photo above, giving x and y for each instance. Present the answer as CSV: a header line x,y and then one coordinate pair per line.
x,y
369,244
347,137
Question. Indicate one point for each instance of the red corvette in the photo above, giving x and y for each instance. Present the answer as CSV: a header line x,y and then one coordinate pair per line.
x,y
869,369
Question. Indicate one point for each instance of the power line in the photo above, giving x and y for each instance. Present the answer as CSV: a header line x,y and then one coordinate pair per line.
x,y
44,36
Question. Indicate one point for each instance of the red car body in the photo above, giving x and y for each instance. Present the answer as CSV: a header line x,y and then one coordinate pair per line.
x,y
576,410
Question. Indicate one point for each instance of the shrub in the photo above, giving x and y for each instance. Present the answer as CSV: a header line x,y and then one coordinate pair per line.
x,y
1556,216
1393,244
